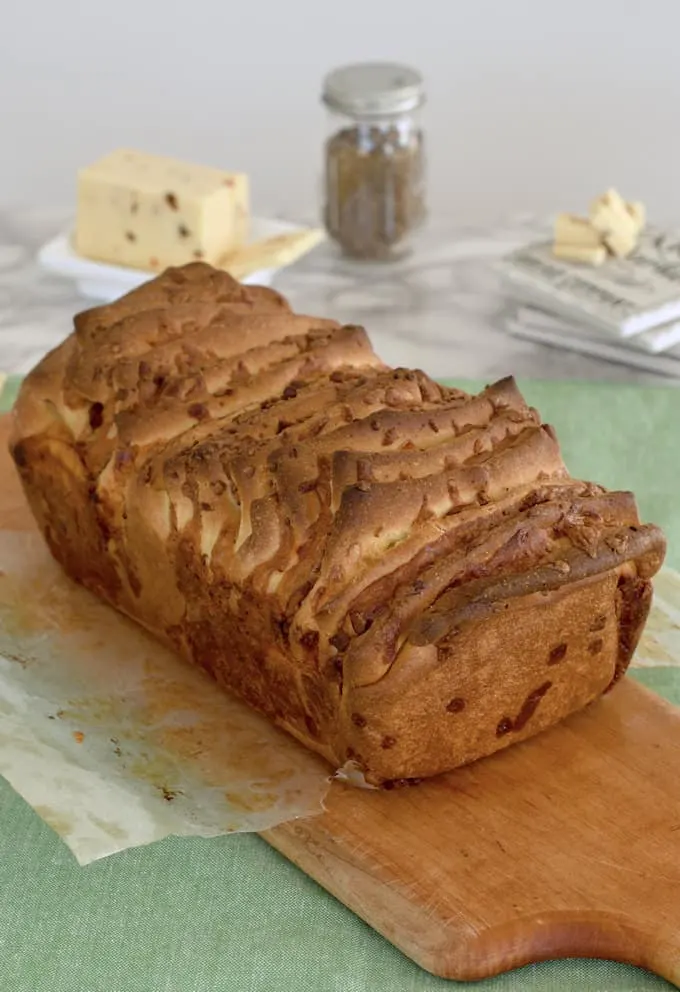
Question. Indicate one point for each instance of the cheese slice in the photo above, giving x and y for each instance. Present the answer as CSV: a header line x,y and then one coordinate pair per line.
x,y
271,253
149,212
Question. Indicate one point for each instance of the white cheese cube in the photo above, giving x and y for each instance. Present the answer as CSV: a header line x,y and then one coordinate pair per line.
x,y
571,230
619,230
149,212
612,200
639,214
586,254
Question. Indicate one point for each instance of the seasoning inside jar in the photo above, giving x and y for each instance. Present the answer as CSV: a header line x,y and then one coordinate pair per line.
x,y
375,167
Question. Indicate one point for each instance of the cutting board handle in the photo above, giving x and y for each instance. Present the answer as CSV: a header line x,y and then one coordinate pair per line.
x,y
611,936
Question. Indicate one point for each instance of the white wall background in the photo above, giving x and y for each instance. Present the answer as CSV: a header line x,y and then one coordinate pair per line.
x,y
534,104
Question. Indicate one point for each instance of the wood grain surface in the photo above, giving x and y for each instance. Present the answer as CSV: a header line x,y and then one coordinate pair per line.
x,y
567,845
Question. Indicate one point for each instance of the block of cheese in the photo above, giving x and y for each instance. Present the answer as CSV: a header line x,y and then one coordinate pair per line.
x,y
621,240
613,227
611,200
638,213
149,212
610,215
586,254
572,230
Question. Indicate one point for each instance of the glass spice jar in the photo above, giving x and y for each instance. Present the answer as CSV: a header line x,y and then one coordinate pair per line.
x,y
374,188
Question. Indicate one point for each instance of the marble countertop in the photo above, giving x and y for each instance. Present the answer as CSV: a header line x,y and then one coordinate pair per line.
x,y
438,310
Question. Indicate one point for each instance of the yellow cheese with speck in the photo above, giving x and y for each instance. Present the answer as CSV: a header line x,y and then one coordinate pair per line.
x,y
149,212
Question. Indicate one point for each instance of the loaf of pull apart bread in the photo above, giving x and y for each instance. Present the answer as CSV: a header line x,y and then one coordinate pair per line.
x,y
401,575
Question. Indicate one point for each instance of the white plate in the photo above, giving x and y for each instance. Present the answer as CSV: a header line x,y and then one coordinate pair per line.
x,y
100,281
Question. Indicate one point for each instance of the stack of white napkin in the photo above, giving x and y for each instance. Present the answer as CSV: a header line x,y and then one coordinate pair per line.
x,y
626,310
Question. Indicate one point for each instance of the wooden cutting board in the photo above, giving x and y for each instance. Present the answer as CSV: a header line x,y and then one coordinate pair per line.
x,y
564,846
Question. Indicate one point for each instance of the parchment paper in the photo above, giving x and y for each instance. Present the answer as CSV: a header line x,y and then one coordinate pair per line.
x,y
113,740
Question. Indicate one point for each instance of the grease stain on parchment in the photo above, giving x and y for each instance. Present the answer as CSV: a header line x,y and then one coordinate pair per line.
x,y
113,739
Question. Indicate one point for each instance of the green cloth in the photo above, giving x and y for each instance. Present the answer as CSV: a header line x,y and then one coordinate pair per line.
x,y
231,915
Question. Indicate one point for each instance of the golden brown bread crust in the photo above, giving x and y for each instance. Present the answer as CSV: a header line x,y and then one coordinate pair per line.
x,y
396,572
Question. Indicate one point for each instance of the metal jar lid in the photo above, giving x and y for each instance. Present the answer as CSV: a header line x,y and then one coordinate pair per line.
x,y
373,89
